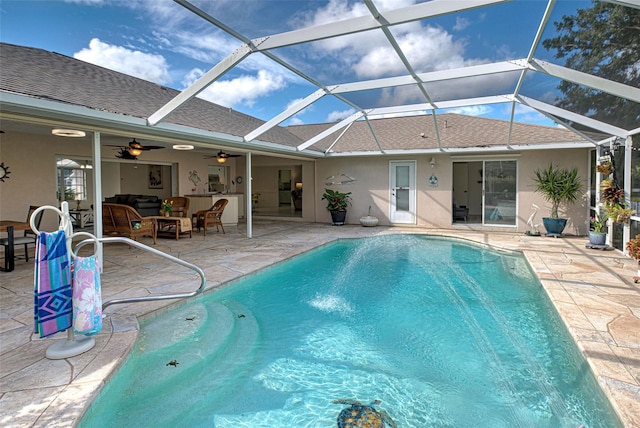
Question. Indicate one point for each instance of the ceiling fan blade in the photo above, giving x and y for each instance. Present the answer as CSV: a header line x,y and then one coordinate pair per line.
x,y
137,146
224,155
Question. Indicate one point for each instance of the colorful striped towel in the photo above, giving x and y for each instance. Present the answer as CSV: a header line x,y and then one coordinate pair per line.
x,y
52,284
87,299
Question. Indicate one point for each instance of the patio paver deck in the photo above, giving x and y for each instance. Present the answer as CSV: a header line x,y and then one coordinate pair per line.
x,y
592,290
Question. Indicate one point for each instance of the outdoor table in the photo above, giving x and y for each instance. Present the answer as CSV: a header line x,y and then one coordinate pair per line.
x,y
9,226
181,225
82,217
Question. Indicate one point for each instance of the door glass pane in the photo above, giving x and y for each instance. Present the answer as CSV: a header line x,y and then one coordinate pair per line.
x,y
402,200
500,192
402,177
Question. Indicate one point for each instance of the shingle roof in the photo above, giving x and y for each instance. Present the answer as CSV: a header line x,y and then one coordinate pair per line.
x,y
42,74
456,131
48,75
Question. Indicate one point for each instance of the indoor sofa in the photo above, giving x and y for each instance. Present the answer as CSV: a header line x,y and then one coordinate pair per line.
x,y
145,205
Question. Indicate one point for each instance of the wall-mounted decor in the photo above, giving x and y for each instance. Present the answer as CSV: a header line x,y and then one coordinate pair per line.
x,y
155,177
433,181
341,179
4,172
193,177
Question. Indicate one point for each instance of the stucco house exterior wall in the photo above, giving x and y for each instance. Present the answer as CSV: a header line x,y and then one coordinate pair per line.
x,y
434,204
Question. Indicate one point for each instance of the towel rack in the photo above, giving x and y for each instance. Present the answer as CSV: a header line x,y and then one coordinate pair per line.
x,y
75,345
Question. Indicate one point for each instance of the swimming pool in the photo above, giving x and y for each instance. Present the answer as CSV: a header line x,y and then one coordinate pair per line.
x,y
444,333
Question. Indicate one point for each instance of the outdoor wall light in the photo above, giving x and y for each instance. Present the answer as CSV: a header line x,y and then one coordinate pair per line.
x,y
432,162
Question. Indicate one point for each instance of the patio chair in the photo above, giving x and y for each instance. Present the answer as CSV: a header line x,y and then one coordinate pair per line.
x,y
460,213
179,206
123,220
210,217
29,237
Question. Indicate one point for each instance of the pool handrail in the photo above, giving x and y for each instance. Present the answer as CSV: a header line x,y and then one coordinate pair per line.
x,y
131,242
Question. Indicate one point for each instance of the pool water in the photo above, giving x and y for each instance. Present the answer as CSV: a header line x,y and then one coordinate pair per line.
x,y
442,332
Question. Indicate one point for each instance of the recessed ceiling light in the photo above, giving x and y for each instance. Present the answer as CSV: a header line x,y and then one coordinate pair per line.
x,y
182,147
68,133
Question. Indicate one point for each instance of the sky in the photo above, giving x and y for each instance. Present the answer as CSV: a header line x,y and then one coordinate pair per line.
x,y
162,42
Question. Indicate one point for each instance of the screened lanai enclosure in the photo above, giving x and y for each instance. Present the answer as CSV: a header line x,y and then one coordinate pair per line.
x,y
379,59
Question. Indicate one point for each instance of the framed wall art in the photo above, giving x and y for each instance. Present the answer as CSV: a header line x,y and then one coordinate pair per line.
x,y
155,177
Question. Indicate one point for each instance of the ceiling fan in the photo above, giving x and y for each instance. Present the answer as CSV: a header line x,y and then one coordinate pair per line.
x,y
133,150
222,157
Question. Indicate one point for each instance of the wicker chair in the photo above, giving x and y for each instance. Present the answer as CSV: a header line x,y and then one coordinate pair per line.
x,y
210,217
179,206
123,220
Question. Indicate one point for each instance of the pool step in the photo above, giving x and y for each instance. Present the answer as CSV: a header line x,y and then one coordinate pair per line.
x,y
174,361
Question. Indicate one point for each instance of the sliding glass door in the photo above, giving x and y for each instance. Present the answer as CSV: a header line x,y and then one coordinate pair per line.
x,y
500,189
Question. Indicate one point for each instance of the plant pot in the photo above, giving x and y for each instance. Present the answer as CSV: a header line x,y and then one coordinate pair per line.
x,y
167,214
597,238
369,221
338,217
554,226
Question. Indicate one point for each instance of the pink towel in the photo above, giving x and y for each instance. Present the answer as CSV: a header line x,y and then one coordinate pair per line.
x,y
87,299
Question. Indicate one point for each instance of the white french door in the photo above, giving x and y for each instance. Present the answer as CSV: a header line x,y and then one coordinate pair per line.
x,y
402,192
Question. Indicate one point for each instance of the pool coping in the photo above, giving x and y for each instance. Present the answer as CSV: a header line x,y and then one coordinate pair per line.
x,y
593,291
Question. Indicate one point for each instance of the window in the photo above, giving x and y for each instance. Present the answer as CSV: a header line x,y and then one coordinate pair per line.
x,y
72,180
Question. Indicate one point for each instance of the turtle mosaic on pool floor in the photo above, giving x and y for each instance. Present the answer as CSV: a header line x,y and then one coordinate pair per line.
x,y
359,415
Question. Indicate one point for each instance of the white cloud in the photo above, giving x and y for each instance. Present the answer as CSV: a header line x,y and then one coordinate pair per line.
x,y
242,90
461,23
336,116
296,121
147,66
471,110
292,102
370,55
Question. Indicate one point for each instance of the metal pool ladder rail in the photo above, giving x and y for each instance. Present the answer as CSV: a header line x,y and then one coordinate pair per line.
x,y
200,272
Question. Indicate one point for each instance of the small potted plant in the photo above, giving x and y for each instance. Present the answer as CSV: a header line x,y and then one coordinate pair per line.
x,y
621,214
598,233
558,186
337,203
605,167
166,208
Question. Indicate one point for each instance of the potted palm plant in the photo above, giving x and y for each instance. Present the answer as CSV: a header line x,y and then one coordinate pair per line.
x,y
558,186
337,203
